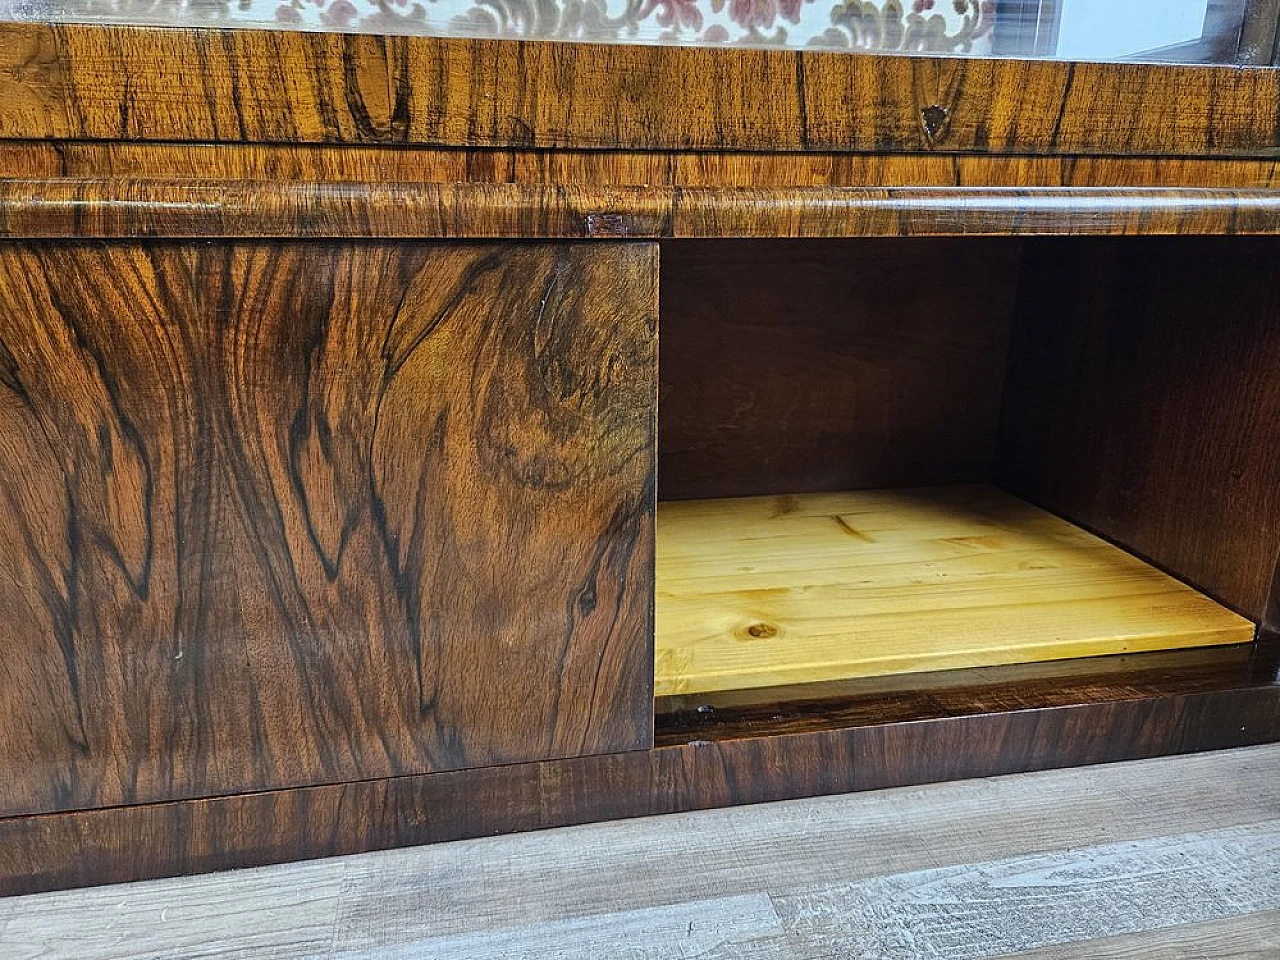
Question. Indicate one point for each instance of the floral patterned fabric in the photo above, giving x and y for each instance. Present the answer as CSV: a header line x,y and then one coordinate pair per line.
x,y
905,26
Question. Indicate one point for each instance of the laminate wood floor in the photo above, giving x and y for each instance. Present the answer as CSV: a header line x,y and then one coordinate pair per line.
x,y
1169,858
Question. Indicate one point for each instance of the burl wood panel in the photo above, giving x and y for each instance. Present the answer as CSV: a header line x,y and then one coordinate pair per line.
x,y
871,743
134,83
1143,402
281,514
790,367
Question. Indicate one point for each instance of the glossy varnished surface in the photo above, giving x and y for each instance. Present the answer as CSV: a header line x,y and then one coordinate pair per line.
x,y
990,729
868,701
335,440
364,163
280,514
110,83
50,208
962,871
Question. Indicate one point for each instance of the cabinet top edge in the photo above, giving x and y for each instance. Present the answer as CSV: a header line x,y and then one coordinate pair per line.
x,y
141,209
219,85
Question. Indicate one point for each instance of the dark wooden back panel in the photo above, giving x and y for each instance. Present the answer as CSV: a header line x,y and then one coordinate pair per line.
x,y
289,513
793,366
1143,401
1270,626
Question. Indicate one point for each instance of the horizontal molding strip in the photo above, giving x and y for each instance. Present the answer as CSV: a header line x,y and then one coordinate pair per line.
x,y
109,209
123,844
855,735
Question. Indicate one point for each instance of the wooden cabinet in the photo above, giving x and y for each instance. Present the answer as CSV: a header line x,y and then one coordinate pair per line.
x,y
349,497
278,514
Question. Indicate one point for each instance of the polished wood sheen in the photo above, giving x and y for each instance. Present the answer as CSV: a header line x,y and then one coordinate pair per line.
x,y
973,731
279,514
327,504
252,86
1143,401
763,591
54,208
773,882
911,697
365,163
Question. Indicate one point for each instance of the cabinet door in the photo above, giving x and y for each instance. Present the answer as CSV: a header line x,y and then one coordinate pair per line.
x,y
287,513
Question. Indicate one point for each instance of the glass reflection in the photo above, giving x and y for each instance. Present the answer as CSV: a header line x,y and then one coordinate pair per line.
x,y
1168,30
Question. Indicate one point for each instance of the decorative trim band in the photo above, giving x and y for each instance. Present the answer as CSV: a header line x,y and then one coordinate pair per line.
x,y
64,208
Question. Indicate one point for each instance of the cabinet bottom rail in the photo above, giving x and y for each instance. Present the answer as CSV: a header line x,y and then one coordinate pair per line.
x,y
734,750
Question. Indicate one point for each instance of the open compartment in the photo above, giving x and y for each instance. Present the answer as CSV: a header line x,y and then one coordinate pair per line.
x,y
882,456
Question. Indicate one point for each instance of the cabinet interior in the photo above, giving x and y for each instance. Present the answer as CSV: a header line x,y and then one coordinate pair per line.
x,y
881,456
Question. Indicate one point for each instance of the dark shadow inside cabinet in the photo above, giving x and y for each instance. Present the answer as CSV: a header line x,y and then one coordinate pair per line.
x,y
891,457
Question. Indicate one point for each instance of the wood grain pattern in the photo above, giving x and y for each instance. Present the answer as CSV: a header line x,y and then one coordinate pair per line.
x,y
794,366
262,918
1154,364
356,163
295,513
1254,936
1122,718
55,208
907,698
762,591
609,889
972,912
135,83
1270,625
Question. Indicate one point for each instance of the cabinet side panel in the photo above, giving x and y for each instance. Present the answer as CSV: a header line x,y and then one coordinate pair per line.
x,y
1143,401
290,513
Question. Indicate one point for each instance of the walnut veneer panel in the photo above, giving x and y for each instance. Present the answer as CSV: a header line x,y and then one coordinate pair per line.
x,y
280,514
952,729
763,591
133,83
415,164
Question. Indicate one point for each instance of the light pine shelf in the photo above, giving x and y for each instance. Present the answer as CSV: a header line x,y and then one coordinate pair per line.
x,y
762,591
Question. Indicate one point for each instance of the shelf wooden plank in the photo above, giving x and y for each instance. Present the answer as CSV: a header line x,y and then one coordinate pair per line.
x,y
763,591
